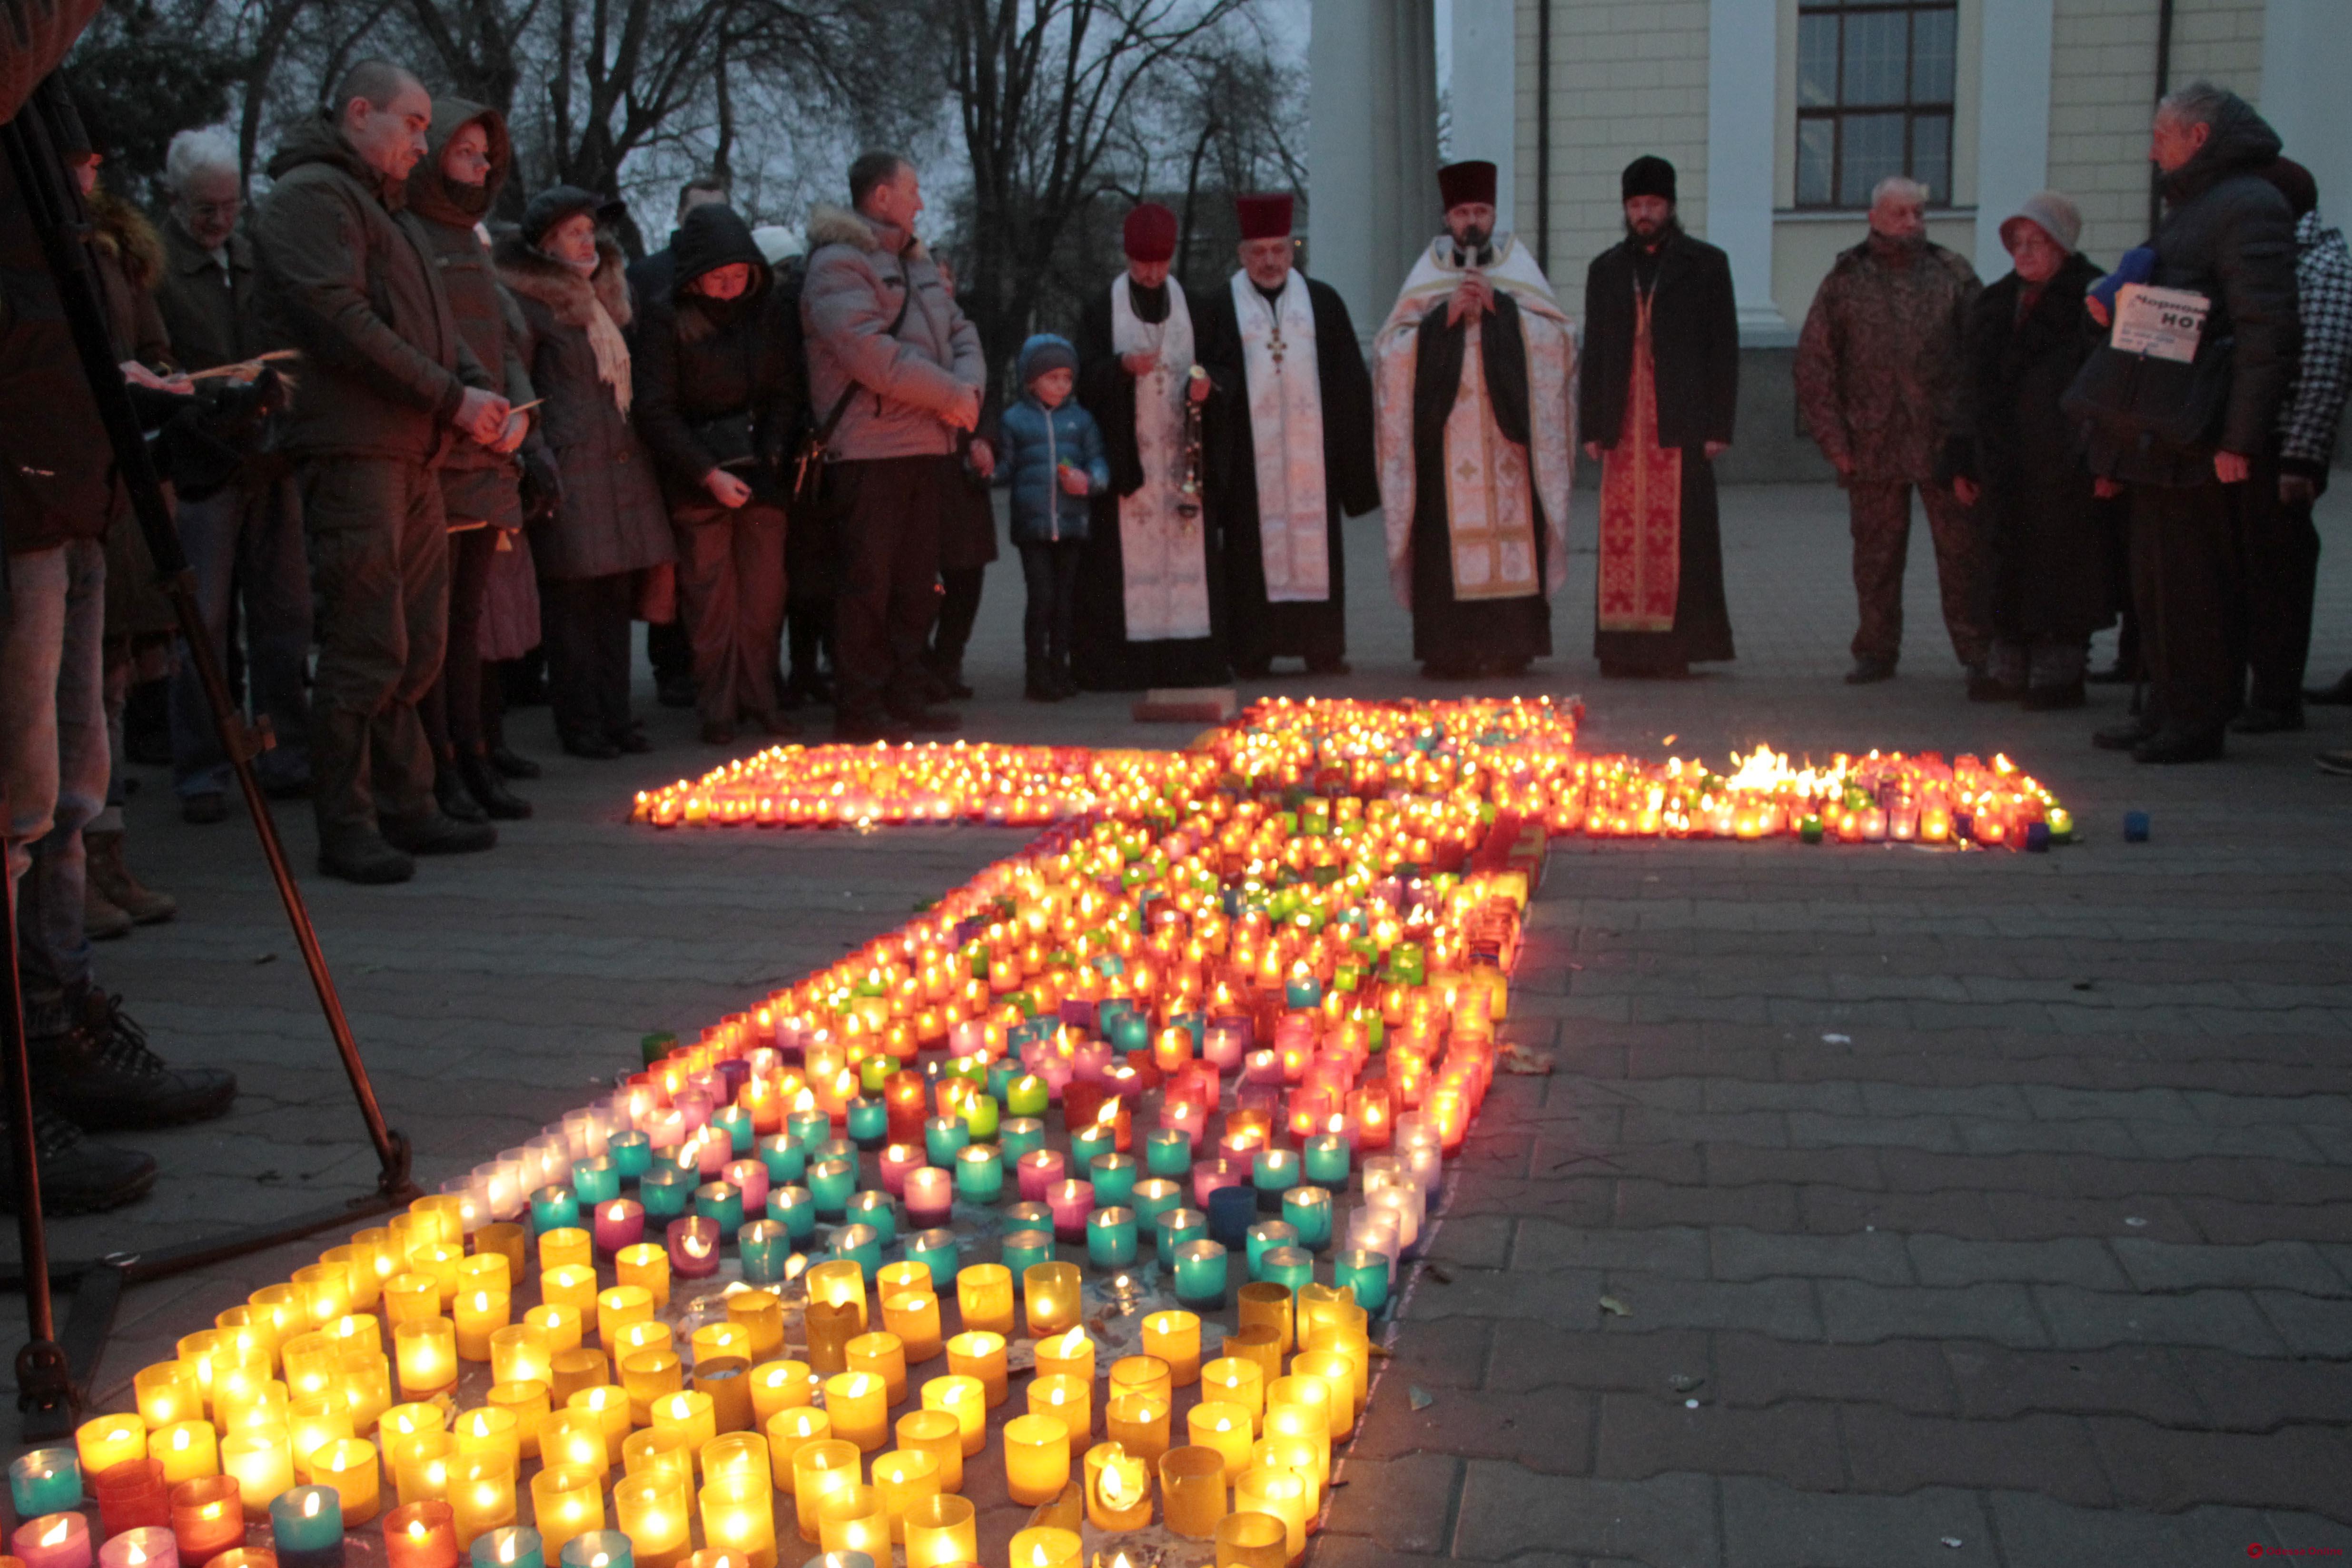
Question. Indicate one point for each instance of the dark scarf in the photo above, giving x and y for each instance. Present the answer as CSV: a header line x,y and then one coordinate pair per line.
x,y
1150,305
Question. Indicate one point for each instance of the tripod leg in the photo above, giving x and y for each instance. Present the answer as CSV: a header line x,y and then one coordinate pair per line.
x,y
45,1391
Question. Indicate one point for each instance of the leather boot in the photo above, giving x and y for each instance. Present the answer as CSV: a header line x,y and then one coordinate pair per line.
x,y
490,791
103,919
100,1073
110,874
77,1176
449,791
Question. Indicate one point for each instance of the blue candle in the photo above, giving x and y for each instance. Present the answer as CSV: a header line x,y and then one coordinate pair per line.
x,y
979,1173
1307,1209
875,1209
736,1122
47,1481
794,1208
631,1153
665,1191
869,1120
306,1525
1263,1238
1201,1274
553,1208
509,1546
943,1136
1231,1211
1023,1248
832,1182
1153,1199
596,1181
1290,1267
1110,1238
599,1549
1168,1152
809,1128
935,1250
861,1244
1113,1176
1089,1142
1327,1158
1019,1135
1174,1228
1366,1273
721,1202
765,1246
786,1160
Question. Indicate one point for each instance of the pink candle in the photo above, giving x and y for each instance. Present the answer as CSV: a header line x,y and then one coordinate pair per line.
x,y
693,1247
53,1540
1071,1202
897,1159
1222,1047
931,1194
150,1547
749,1177
620,1223
664,1129
712,1152
1210,1175
1038,1170
694,1106
1091,1060
1263,1067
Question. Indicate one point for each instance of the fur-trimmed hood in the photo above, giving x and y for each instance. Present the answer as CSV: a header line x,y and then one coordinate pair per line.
x,y
535,275
829,224
125,232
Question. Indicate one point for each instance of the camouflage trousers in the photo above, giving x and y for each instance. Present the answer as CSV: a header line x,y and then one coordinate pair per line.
x,y
1881,539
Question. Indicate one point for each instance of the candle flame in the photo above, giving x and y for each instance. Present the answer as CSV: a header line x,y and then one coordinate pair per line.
x,y
417,1531
1108,1115
310,1505
136,1554
56,1532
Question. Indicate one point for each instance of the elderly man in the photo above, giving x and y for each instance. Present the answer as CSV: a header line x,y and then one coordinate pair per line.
x,y
1877,371
2184,401
388,382
1658,395
1477,441
895,374
1296,458
243,537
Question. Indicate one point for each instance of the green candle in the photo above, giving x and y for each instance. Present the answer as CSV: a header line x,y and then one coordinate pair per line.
x,y
1110,1238
1327,1157
831,1182
869,1120
1026,1095
935,1250
785,1158
1288,1266
1153,1197
1175,1226
980,1118
875,1209
1366,1273
1263,1238
1024,1248
1307,1210
793,1207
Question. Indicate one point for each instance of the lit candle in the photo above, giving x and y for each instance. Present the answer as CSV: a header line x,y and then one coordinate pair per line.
x,y
598,1548
427,1349
859,1405
904,1477
1237,1381
1069,1401
778,1385
1225,1428
1068,1354
939,1434
510,1546
350,1467
1174,1227
420,1535
306,1527
567,1501
46,1481
1050,1296
1174,1337
656,1514
1110,1238
618,1224
821,1468
913,1315
1118,1488
930,1195
186,1450
963,1397
941,1532
54,1540
1039,1170
481,1495
1047,1546
1283,1494
262,1460
149,1546
105,1441
1036,1461
1200,1273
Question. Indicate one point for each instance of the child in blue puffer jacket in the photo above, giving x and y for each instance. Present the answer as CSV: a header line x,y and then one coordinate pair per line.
x,y
1052,456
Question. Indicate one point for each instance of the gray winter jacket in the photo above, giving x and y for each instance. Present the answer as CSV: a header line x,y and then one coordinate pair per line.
x,y
908,382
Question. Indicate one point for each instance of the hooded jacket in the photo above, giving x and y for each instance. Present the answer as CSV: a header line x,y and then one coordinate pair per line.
x,y
719,381
348,278
1037,443
908,382
610,517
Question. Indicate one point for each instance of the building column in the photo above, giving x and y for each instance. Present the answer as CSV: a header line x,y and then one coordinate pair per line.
x,y
1484,94
1742,91
1371,145
2013,120
2307,63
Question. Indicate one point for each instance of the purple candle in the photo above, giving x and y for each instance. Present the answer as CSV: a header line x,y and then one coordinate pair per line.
x,y
693,1247
1071,1202
1211,1175
1039,1170
620,1223
930,1195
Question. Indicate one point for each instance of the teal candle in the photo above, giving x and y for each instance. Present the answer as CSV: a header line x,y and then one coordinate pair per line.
x,y
553,1208
1290,1267
764,1246
980,1118
1019,1135
809,1128
869,1120
1024,1248
943,1137
1001,1074
979,1173
860,1244
595,1181
1152,1198
599,1549
1110,1238
47,1481
1328,1158
1029,1216
1307,1209
794,1208
1366,1273
665,1191
1273,1172
785,1156
1113,1176
721,1203
1201,1274
1168,1152
307,1519
1026,1095
935,1250
1087,1142
1175,1226
1129,1031
830,1182
631,1152
510,1546
736,1122
1263,1238
1302,991
838,1149
875,1210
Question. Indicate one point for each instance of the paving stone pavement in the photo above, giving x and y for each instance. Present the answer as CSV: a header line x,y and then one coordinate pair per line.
x,y
1963,1208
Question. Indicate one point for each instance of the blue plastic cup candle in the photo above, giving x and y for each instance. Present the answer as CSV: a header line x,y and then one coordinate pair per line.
x,y
981,1116
1290,1267
1367,1274
979,1173
869,1120
47,1481
1025,1249
1273,1172
832,1182
1019,1135
599,1549
874,1208
667,1191
943,1136
1001,1074
2136,827
1231,1211
1201,1274
935,1249
722,1203
1026,1095
861,1245
785,1157
1154,1198
809,1128
1307,1210
306,1527
1168,1152
736,1122
595,1181
837,1149
1129,1031
765,1246
1087,1142
1175,1226
1302,991
1110,1238
1113,1176
794,1208
1327,1158
1263,1238
632,1154
509,1546
553,1208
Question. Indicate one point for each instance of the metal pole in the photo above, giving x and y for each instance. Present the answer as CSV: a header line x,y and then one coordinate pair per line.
x,y
44,1387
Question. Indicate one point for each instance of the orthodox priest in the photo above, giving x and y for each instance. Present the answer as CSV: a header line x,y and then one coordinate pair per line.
x,y
1660,385
1149,589
1296,456
1476,444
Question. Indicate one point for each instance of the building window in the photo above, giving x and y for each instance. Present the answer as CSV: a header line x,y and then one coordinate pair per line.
x,y
1873,98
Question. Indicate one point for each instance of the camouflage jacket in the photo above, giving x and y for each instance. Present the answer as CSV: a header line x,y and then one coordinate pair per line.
x,y
1879,363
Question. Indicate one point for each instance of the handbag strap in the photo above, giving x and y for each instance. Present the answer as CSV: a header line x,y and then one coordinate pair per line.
x,y
905,298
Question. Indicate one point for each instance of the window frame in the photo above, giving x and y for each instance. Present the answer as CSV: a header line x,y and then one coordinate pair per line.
x,y
1911,109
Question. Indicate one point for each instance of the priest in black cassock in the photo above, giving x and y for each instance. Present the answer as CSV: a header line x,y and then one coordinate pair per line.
x,y
1478,446
1149,592
1660,386
1295,459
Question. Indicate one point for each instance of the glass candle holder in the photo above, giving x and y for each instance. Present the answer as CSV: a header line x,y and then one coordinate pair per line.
x,y
979,1173
941,1532
1027,1248
794,1208
1036,1460
1017,1136
1050,1293
46,1481
1174,1338
1201,1274
785,1156
1171,1228
1225,1428
509,1546
964,1398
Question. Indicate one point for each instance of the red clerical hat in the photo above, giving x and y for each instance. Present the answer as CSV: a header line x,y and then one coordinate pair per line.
x,y
1264,217
1461,182
1150,233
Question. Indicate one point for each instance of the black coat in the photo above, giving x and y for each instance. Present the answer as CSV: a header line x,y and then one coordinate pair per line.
x,y
1693,344
1352,473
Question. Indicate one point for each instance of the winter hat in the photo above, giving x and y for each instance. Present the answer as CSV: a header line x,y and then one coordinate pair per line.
x,y
552,206
2136,265
2054,214
2295,183
1150,233
712,236
1461,183
1264,217
1648,175
1046,351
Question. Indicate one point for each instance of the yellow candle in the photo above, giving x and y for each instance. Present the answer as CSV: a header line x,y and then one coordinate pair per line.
x,y
1224,1427
1175,1338
481,1495
790,1431
1299,1455
480,1313
1335,1371
778,1385
860,1405
1264,1304
1138,1423
563,1325
349,1466
359,1265
1069,1354
440,1262
262,1462
1192,1495
568,1285
613,1410
1069,1400
913,1315
240,1379
980,1353
647,1264
1047,1546
1283,1494
187,1450
570,1371
963,1398
490,1430
529,1404
569,1436
420,1466
839,1283
329,1288
650,1334
940,1435
984,1298
1050,1292
504,1239
107,1441
519,1353
567,1500
739,1518
943,1531
1118,1488
619,1307
647,1375
656,1515
853,1518
687,1414
309,1422
820,1468
1259,1343
410,1296
288,1307
882,1353
1230,1380
427,1351
1141,1374
904,1477
657,1450
761,1314
736,1454
566,1247
167,1392
1249,1540
1036,1458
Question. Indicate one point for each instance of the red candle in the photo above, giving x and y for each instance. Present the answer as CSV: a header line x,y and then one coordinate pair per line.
x,y
620,1223
208,1517
421,1535
693,1247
